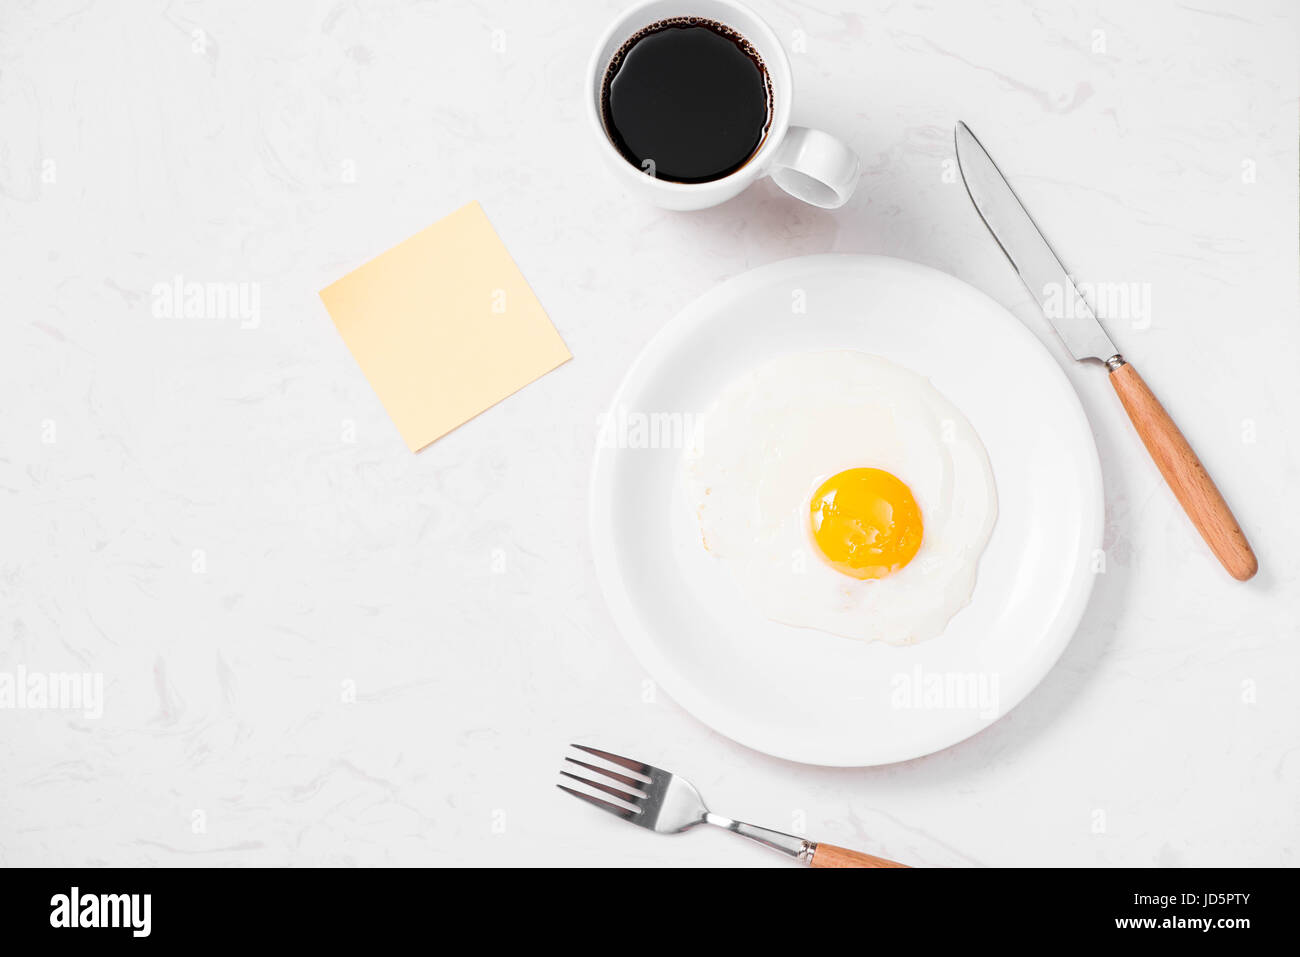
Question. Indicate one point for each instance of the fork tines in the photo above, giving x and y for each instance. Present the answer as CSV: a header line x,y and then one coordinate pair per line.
x,y
631,793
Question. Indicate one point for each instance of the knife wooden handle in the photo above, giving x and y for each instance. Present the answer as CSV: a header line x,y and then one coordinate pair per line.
x,y
1186,476
828,855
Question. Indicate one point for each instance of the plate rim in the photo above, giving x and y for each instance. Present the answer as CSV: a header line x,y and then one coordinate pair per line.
x,y
630,623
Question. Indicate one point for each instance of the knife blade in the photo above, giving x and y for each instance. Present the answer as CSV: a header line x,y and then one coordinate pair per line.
x,y
1052,286
1029,252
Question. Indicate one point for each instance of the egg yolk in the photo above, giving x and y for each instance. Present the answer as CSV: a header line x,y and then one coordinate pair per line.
x,y
866,522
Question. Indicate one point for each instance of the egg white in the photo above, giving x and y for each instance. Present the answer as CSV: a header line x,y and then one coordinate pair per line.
x,y
775,434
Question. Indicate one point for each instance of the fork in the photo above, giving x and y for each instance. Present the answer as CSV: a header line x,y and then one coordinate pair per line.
x,y
667,803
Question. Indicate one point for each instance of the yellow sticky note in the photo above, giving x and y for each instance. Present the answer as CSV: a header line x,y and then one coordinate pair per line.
x,y
444,326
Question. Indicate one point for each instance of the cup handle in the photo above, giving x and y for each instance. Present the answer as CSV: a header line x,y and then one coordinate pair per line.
x,y
816,167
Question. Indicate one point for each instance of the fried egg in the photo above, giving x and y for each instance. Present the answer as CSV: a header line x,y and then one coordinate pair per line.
x,y
843,493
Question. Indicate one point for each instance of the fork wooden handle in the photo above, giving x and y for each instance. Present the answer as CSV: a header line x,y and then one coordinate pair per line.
x,y
1186,476
828,855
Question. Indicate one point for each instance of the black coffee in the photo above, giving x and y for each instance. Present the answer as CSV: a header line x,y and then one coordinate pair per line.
x,y
687,100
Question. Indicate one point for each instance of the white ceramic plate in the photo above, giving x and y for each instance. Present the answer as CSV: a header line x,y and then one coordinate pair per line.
x,y
800,694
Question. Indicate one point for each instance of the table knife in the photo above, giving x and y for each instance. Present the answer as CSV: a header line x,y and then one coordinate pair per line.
x,y
1049,283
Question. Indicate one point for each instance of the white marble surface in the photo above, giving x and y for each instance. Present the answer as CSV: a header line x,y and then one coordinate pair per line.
x,y
219,518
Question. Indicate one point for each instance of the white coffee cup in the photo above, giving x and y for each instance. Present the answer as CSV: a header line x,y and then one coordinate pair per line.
x,y
808,164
